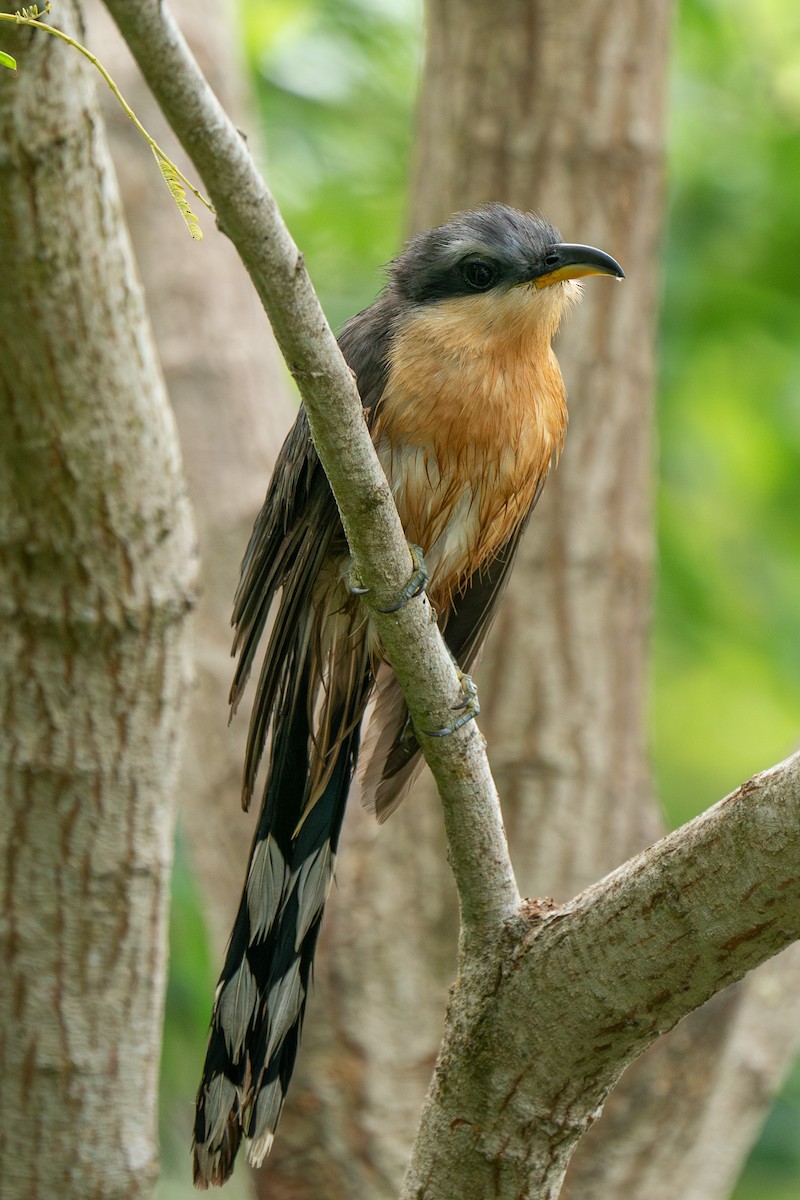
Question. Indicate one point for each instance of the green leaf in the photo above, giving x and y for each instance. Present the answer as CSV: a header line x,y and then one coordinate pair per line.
x,y
178,192
7,61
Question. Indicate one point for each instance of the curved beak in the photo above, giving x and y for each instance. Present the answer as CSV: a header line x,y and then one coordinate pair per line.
x,y
566,261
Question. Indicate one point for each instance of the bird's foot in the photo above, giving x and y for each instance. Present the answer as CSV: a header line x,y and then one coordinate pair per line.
x,y
417,582
354,585
468,709
415,587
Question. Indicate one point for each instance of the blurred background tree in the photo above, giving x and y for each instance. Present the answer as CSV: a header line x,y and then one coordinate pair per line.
x,y
336,83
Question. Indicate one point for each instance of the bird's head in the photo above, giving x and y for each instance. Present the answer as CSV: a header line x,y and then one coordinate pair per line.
x,y
505,268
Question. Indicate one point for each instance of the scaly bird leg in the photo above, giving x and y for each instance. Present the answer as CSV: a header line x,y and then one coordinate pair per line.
x,y
469,707
415,587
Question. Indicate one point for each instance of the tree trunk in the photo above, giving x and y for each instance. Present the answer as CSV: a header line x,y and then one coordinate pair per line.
x,y
97,577
576,131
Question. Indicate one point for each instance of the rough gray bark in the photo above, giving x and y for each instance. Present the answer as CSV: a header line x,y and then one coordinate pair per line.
x,y
539,1029
686,1113
96,580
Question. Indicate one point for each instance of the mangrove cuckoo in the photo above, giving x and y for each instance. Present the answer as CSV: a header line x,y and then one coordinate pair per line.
x,y
466,406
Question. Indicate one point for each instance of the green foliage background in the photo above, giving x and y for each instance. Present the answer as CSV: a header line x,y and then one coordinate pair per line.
x,y
335,81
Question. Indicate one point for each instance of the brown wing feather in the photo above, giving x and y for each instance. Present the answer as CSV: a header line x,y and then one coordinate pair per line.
x,y
297,529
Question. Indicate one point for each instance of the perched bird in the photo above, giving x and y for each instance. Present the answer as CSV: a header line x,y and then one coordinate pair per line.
x,y
466,406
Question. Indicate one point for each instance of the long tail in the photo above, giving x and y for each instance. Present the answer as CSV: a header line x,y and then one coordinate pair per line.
x,y
261,995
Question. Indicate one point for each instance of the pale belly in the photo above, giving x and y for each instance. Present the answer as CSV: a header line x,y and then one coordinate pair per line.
x,y
461,513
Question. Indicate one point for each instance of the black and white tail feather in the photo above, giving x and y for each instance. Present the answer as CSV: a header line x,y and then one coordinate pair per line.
x,y
312,691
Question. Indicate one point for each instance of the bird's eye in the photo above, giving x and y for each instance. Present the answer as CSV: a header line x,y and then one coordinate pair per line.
x,y
478,273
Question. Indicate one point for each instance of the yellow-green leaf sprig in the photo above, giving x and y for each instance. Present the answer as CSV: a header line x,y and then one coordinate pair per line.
x,y
175,180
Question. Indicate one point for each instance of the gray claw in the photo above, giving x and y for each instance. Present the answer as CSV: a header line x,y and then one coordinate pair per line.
x,y
469,707
416,584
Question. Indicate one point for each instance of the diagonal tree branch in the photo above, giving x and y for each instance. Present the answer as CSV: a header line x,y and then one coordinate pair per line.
x,y
584,989
248,214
